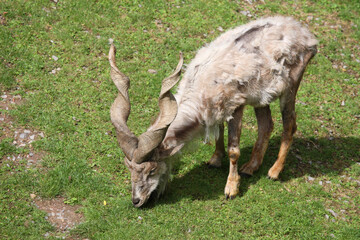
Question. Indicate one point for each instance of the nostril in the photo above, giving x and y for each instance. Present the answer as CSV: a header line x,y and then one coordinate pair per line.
x,y
135,201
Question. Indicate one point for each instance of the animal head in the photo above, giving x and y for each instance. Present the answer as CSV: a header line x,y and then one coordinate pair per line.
x,y
144,155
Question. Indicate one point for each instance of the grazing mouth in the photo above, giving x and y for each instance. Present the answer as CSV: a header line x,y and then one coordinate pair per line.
x,y
149,199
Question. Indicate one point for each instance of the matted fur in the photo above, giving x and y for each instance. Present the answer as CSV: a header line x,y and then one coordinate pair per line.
x,y
248,65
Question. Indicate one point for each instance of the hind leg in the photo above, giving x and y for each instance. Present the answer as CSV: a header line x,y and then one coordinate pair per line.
x,y
233,180
287,106
219,153
265,127
289,128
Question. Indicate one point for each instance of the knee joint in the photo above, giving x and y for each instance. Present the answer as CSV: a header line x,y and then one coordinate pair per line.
x,y
234,153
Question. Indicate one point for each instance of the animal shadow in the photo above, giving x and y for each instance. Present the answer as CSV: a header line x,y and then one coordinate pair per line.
x,y
308,156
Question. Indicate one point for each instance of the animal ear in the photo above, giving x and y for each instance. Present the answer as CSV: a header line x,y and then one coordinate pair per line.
x,y
164,153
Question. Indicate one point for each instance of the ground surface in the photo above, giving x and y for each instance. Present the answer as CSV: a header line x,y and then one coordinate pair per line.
x,y
62,174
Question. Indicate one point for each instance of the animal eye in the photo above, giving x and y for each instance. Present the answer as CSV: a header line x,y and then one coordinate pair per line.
x,y
152,172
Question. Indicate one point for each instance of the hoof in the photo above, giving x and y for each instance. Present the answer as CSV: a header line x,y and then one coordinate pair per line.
x,y
232,188
230,197
273,174
215,161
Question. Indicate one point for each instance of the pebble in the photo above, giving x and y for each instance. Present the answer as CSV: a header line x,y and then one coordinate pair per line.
x,y
220,29
2,119
55,58
152,71
111,41
326,216
22,135
3,96
245,13
32,196
32,137
332,212
31,154
311,178
320,183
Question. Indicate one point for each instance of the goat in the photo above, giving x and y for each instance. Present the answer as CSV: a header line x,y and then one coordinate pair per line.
x,y
253,64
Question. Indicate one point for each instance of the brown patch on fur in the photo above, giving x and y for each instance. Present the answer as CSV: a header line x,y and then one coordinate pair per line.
x,y
249,34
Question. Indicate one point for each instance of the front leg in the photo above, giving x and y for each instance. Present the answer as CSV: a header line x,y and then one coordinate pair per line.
x,y
219,153
234,132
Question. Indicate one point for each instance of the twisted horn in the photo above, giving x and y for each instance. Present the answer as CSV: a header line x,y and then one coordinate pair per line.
x,y
138,149
149,140
120,109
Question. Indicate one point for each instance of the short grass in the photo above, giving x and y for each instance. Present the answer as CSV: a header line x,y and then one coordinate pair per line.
x,y
71,106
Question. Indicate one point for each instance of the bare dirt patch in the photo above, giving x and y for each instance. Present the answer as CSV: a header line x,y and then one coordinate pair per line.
x,y
60,215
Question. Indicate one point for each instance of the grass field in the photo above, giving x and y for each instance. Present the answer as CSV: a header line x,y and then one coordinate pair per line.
x,y
58,145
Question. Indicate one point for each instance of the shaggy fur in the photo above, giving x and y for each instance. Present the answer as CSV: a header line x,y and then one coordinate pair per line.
x,y
248,65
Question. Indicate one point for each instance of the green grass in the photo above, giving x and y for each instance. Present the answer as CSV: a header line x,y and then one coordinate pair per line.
x,y
72,108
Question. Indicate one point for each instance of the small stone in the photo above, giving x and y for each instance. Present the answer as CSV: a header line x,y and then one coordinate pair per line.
x,y
152,71
3,96
41,134
111,41
2,119
328,182
245,13
32,196
31,154
332,235
332,212
140,218
22,135
320,183
342,103
311,178
32,137
326,216
27,131
55,58
220,29
309,18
